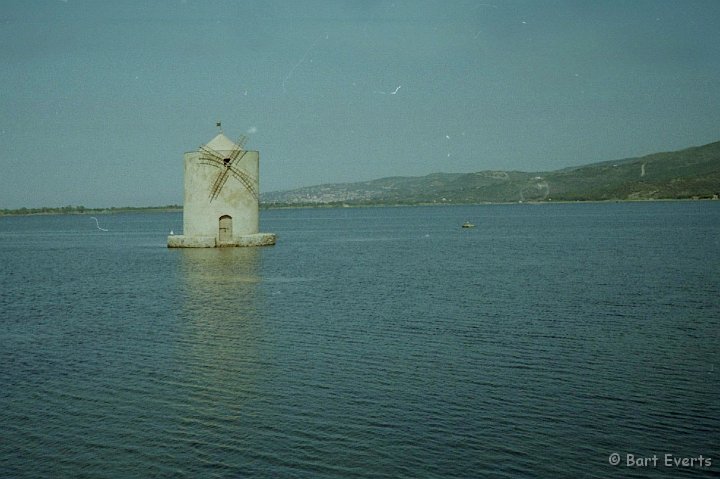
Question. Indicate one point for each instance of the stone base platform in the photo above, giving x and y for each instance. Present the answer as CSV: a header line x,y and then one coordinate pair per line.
x,y
258,239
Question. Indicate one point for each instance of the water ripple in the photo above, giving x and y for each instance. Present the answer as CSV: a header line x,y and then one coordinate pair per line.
x,y
532,346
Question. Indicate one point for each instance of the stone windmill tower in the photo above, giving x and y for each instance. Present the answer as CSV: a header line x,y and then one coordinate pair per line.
x,y
221,197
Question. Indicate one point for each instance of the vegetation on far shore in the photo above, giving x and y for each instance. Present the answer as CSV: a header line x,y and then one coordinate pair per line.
x,y
81,210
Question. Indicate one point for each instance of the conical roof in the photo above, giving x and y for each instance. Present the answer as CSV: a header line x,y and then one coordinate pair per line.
x,y
222,143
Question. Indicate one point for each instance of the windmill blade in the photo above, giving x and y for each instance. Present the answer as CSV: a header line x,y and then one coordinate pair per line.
x,y
218,184
211,162
241,141
210,153
234,156
240,173
247,180
212,157
217,191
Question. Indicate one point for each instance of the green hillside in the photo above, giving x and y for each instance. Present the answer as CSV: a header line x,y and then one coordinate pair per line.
x,y
690,173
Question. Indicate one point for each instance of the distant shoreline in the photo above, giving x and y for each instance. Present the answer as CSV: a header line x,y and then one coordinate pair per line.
x,y
81,210
178,209
281,206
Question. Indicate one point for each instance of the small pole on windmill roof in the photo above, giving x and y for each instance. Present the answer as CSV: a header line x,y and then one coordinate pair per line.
x,y
219,125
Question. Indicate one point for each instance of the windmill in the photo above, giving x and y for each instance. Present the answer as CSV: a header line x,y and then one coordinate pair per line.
x,y
229,165
221,197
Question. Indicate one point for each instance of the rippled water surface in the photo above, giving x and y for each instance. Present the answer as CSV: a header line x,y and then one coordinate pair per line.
x,y
374,342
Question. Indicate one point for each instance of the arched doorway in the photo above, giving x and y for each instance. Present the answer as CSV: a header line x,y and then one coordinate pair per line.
x,y
225,232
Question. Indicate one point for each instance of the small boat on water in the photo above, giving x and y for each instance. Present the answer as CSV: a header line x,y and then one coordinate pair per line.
x,y
467,224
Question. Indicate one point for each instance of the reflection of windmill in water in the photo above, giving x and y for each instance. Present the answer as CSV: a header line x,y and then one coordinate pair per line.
x,y
221,196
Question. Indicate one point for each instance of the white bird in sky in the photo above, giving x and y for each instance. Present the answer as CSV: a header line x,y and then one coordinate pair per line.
x,y
392,92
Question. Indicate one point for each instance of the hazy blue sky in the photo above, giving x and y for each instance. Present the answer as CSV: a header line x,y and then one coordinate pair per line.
x,y
99,99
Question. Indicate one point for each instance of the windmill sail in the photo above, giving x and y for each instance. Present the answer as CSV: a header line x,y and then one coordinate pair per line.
x,y
227,165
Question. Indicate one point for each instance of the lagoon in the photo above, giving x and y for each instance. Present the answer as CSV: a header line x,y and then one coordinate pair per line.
x,y
369,342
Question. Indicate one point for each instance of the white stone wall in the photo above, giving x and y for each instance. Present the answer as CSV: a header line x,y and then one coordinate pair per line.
x,y
201,216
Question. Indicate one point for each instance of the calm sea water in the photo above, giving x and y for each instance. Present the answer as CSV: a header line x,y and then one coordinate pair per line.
x,y
374,342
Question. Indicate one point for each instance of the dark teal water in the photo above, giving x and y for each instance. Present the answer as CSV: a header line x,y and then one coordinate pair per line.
x,y
377,342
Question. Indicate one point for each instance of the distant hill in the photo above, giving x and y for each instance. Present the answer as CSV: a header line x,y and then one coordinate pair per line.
x,y
690,173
